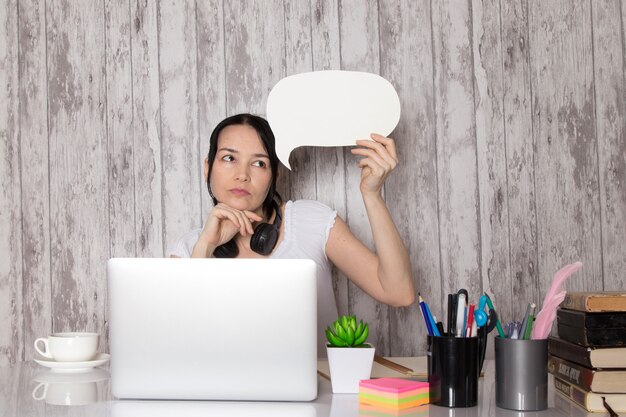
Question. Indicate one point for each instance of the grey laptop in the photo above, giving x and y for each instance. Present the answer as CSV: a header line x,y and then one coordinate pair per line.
x,y
222,329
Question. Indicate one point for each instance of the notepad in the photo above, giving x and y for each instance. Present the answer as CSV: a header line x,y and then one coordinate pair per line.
x,y
396,393
366,410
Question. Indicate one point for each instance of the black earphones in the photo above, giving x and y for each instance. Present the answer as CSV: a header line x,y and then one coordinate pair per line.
x,y
265,235
262,241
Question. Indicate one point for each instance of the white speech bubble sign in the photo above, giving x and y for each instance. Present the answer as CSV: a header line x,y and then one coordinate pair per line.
x,y
330,108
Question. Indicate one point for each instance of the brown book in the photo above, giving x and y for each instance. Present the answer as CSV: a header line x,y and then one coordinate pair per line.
x,y
595,301
596,380
590,401
606,357
569,407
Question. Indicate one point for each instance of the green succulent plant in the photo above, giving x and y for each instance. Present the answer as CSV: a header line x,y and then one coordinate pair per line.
x,y
344,332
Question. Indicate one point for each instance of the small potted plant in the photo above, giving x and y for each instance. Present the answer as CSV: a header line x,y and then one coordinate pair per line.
x,y
349,357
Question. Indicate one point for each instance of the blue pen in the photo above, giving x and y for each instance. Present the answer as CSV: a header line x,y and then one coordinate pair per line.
x,y
425,315
432,321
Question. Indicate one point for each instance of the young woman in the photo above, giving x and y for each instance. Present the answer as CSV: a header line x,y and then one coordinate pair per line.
x,y
241,171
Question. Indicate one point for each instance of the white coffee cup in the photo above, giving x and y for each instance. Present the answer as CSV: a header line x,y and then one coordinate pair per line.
x,y
69,346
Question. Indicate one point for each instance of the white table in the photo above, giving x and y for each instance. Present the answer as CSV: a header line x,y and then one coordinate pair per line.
x,y
18,382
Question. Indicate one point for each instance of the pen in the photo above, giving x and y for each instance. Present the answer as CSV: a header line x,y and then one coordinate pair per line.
x,y
470,320
529,324
482,343
451,314
512,327
523,327
452,329
464,328
460,314
515,333
433,325
422,307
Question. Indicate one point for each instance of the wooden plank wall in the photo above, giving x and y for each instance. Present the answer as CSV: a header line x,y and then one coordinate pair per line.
x,y
512,142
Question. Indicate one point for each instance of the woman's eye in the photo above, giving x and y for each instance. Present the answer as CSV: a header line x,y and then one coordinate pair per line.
x,y
260,164
228,158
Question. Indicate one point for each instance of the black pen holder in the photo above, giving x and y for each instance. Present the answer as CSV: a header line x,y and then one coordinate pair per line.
x,y
453,370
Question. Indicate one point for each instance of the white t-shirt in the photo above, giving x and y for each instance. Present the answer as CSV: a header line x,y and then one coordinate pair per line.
x,y
307,226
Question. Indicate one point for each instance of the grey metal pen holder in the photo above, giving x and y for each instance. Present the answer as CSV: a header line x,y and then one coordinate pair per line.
x,y
521,374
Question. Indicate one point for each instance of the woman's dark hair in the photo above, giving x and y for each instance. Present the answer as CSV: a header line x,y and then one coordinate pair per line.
x,y
262,127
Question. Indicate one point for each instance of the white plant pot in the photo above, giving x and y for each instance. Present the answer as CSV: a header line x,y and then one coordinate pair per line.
x,y
348,366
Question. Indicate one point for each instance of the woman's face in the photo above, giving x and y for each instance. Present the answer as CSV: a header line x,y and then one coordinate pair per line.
x,y
241,174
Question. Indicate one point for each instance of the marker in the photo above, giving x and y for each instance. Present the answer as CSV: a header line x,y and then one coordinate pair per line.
x,y
460,315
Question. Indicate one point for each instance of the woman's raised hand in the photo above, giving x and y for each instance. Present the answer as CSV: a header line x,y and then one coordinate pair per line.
x,y
379,160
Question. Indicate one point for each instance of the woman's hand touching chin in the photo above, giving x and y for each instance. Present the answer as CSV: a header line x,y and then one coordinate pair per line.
x,y
222,224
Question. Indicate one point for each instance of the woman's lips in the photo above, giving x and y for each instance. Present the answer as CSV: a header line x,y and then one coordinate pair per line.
x,y
239,192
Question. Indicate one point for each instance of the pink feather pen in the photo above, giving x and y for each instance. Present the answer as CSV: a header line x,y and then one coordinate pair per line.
x,y
554,297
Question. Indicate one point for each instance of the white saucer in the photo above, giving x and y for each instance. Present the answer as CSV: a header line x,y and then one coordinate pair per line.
x,y
90,375
81,366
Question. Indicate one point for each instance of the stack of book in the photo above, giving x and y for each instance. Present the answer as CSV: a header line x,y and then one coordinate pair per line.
x,y
588,359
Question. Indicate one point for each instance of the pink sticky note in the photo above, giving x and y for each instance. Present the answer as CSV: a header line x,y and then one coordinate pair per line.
x,y
394,385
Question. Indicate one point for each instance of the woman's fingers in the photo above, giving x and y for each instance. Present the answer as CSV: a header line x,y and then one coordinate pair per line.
x,y
385,147
375,169
249,217
253,216
389,144
375,157
222,213
241,219
379,160
238,218
244,221
381,157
